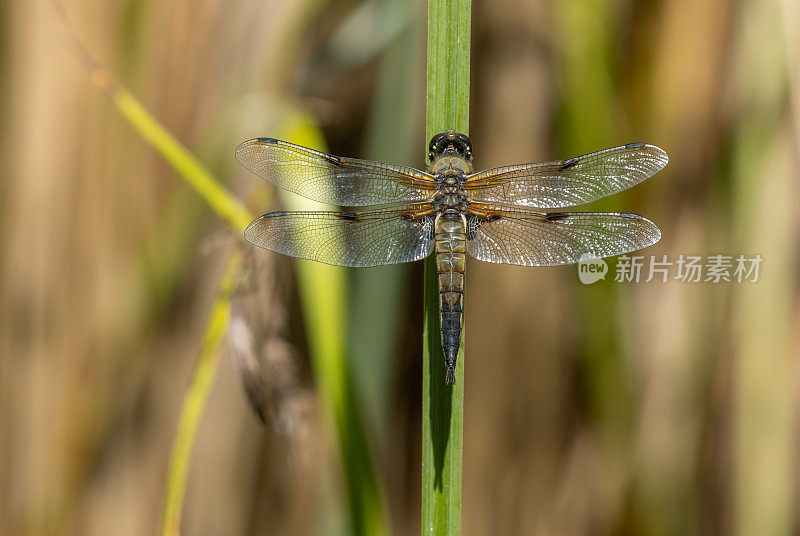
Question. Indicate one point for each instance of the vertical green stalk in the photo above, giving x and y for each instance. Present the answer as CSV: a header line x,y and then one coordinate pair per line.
x,y
227,207
194,400
443,405
764,188
375,330
323,292
588,68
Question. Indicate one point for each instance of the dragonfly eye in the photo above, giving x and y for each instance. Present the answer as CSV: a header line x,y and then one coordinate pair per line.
x,y
437,144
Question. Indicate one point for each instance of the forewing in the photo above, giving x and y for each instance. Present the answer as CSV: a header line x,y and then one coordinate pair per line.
x,y
332,179
529,238
566,183
368,238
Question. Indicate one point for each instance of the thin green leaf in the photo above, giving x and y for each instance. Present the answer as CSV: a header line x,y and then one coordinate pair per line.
x,y
323,292
228,207
195,399
764,216
222,201
323,289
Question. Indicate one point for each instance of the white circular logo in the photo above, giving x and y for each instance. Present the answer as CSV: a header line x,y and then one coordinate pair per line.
x,y
591,268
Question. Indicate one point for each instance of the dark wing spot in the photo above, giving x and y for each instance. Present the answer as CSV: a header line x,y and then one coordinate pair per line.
x,y
476,221
335,160
349,216
630,215
267,140
275,214
555,216
568,163
635,145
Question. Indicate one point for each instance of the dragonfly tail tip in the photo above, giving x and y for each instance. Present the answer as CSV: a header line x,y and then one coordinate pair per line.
x,y
450,377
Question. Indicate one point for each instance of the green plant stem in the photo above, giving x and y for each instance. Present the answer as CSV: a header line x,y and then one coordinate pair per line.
x,y
322,288
180,158
228,207
442,405
764,202
195,399
323,292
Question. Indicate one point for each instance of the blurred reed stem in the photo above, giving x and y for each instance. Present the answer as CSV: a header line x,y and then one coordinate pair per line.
x,y
587,123
322,288
324,292
764,204
442,404
194,400
587,72
223,202
230,209
375,328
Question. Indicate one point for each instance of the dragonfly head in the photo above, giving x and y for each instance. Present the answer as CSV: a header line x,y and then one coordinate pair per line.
x,y
450,144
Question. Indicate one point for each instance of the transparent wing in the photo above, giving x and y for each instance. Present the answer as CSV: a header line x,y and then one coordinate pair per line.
x,y
332,179
566,183
528,238
368,238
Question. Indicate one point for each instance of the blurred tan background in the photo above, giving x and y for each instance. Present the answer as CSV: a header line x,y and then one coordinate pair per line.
x,y
610,409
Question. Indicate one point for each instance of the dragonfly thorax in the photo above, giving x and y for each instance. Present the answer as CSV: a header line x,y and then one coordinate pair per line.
x,y
450,194
451,163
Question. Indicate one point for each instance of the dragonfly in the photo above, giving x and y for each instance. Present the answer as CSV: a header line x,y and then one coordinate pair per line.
x,y
510,215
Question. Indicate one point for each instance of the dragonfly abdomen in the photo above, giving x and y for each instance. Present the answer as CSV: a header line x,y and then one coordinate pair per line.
x,y
450,264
